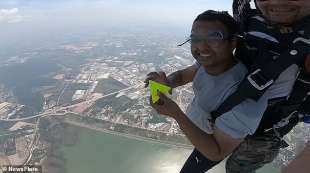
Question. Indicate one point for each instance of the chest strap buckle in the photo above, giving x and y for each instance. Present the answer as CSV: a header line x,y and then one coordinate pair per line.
x,y
258,80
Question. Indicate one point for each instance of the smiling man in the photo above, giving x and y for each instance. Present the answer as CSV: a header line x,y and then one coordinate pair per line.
x,y
275,49
215,75
283,12
271,36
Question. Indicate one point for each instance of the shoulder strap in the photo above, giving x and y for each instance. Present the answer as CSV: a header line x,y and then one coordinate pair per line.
x,y
264,75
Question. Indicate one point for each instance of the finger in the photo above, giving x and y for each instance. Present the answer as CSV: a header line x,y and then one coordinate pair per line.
x,y
162,74
160,102
155,105
152,74
163,78
162,96
146,82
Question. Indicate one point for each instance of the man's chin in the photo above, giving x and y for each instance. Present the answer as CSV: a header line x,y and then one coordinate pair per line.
x,y
208,66
283,21
205,64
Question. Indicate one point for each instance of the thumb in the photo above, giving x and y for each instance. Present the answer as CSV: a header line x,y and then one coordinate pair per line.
x,y
162,75
162,96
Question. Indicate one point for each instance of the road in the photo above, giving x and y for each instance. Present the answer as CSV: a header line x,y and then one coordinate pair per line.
x,y
54,111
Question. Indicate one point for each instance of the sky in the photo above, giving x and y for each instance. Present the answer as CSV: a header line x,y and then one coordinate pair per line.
x,y
22,20
98,11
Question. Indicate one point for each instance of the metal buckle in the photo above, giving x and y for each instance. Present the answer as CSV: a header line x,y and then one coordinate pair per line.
x,y
307,41
254,83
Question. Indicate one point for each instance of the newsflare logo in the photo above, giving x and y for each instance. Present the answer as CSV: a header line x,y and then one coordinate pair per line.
x,y
20,169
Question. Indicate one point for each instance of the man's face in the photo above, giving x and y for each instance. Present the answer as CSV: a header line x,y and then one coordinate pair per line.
x,y
209,51
284,12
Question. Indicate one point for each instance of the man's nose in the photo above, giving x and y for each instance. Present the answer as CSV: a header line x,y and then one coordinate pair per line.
x,y
203,45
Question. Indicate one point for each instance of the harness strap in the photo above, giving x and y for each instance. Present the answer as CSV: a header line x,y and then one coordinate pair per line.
x,y
284,115
261,78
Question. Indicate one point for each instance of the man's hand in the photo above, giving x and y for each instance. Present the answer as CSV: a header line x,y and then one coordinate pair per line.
x,y
166,106
215,146
159,77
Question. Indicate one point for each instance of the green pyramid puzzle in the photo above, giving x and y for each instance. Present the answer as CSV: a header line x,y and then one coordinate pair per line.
x,y
155,87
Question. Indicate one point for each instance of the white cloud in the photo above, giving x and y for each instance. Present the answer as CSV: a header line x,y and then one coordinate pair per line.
x,y
8,11
10,16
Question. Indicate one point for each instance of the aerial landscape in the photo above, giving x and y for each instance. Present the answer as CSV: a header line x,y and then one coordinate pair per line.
x,y
72,95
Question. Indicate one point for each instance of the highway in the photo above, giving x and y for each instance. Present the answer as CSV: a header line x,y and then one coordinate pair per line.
x,y
54,110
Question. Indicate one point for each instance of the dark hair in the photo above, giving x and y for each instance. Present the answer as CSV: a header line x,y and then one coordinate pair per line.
x,y
222,16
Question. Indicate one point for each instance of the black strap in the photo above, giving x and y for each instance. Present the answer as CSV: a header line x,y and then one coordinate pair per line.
x,y
261,78
301,88
288,110
301,93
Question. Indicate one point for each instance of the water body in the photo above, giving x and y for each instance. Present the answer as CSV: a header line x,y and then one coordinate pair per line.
x,y
105,153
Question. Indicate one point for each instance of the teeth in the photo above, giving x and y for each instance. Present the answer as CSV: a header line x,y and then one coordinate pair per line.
x,y
205,55
282,10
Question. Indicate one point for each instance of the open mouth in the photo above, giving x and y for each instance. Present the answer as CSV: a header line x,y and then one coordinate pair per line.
x,y
204,55
282,10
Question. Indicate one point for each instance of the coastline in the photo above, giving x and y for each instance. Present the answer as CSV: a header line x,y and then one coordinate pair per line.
x,y
97,127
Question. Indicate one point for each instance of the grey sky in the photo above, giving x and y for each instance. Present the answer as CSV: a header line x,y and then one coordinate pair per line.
x,y
175,11
21,20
